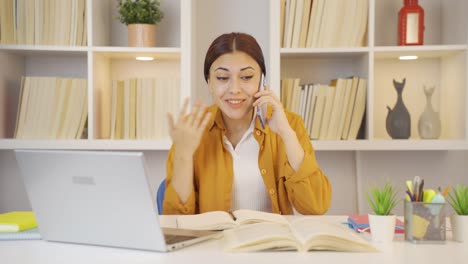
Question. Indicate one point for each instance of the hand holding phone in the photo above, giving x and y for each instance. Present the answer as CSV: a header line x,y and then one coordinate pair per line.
x,y
261,110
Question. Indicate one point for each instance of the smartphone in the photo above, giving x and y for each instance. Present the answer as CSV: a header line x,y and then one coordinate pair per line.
x,y
261,110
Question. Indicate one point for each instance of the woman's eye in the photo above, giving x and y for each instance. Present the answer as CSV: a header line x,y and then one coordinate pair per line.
x,y
247,77
219,78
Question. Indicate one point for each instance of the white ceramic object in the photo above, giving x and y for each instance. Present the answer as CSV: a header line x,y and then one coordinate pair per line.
x,y
382,227
459,227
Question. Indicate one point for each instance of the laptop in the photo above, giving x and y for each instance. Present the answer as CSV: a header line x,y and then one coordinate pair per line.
x,y
98,198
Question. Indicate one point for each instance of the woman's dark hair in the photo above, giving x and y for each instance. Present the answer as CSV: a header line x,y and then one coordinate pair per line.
x,y
230,42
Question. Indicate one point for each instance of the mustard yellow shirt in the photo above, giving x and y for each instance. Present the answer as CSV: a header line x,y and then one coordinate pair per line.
x,y
308,189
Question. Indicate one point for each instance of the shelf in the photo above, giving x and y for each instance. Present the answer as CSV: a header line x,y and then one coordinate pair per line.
x,y
392,145
130,52
165,144
426,52
32,50
86,144
323,52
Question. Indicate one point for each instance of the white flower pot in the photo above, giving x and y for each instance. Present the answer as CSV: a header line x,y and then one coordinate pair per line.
x,y
382,227
459,227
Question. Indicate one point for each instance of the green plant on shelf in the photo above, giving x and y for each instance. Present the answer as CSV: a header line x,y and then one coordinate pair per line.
x,y
139,11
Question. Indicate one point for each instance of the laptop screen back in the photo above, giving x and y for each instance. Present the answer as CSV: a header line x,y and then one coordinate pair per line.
x,y
92,197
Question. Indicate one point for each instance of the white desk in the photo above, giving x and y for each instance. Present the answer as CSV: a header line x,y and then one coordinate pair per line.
x,y
38,252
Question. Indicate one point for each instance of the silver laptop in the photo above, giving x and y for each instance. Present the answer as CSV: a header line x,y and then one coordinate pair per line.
x,y
99,198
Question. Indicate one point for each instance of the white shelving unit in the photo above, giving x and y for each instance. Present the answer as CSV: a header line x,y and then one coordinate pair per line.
x,y
183,38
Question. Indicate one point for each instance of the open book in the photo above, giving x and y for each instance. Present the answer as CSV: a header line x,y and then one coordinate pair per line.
x,y
302,234
220,220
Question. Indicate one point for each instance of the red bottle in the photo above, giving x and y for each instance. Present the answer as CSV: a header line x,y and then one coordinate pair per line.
x,y
411,24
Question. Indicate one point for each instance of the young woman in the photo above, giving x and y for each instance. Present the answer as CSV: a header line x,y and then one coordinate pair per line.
x,y
223,159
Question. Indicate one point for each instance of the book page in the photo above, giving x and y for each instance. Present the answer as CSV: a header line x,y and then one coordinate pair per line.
x,y
216,220
322,235
244,216
260,236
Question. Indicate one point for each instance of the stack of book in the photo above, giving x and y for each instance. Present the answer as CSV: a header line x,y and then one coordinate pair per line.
x,y
330,112
139,107
323,23
51,108
18,226
43,22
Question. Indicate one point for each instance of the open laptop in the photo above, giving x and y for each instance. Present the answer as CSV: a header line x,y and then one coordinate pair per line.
x,y
99,198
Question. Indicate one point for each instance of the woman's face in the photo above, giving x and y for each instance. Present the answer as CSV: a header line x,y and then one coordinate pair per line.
x,y
234,79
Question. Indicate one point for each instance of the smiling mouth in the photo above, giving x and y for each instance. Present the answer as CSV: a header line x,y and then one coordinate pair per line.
x,y
235,102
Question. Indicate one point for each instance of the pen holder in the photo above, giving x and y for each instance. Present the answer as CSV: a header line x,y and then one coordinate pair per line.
x,y
424,222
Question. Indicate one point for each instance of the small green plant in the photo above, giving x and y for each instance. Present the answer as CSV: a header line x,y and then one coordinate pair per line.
x,y
459,199
139,11
382,200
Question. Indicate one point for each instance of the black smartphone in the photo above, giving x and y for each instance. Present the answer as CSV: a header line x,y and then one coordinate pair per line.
x,y
261,110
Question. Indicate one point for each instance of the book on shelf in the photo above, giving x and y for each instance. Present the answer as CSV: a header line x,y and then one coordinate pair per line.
x,y
327,109
45,110
303,234
220,220
350,105
305,23
297,23
139,107
359,108
360,224
28,234
17,221
318,113
43,22
289,23
335,115
282,15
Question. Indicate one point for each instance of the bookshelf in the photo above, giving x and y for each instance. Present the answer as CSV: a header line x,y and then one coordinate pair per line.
x,y
442,62
182,40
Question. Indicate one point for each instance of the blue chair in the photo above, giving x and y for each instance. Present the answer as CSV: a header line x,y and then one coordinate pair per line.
x,y
160,196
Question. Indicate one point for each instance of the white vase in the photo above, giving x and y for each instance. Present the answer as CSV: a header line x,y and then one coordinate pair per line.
x,y
459,227
382,227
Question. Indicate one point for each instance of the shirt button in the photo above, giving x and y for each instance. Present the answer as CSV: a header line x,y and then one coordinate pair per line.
x,y
272,191
263,171
258,132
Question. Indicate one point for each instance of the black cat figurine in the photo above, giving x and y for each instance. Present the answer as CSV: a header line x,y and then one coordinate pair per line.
x,y
398,121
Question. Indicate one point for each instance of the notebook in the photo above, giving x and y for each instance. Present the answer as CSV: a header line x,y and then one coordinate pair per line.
x,y
360,223
98,198
29,234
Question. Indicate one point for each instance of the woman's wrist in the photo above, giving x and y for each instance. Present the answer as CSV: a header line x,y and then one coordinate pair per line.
x,y
287,133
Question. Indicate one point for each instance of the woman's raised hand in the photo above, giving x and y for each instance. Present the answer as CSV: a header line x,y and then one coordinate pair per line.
x,y
187,130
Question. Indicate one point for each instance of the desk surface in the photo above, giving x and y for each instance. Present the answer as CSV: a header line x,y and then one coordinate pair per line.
x,y
399,251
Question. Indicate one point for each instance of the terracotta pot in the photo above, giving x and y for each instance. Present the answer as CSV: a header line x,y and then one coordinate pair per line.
x,y
141,35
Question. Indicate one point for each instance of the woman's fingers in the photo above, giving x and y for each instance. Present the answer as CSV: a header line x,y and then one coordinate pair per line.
x,y
205,121
199,115
183,110
170,122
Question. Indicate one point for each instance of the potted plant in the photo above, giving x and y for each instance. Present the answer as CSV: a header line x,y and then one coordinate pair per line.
x,y
459,202
141,17
382,201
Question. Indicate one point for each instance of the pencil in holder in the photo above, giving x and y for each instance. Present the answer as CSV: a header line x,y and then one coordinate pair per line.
x,y
425,222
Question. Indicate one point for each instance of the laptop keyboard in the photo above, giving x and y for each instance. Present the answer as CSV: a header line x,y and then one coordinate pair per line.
x,y
172,239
